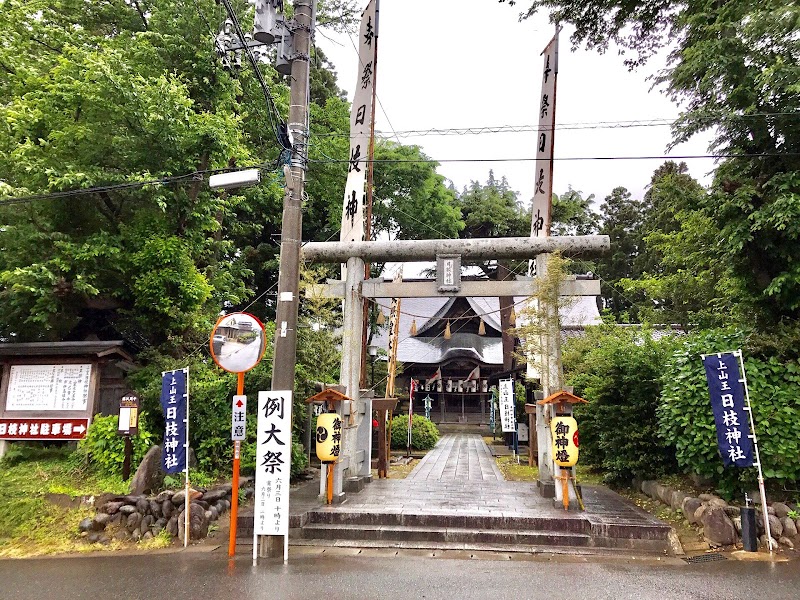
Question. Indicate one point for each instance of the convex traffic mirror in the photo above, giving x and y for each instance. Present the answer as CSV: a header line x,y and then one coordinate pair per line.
x,y
238,342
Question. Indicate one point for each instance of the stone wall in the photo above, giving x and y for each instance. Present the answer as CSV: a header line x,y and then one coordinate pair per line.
x,y
721,523
140,517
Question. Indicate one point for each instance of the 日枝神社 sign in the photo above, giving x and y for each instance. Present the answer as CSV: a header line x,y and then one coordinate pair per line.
x,y
174,401
43,429
728,404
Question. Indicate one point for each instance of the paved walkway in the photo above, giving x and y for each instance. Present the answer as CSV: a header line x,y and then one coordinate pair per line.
x,y
457,457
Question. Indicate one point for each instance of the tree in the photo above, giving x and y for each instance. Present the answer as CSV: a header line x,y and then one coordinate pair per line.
x,y
622,220
572,214
733,66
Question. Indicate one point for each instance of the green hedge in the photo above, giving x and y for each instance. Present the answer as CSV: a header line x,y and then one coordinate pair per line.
x,y
618,370
424,433
687,423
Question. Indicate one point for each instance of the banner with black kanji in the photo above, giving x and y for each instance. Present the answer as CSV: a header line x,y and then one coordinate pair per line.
x,y
730,415
174,398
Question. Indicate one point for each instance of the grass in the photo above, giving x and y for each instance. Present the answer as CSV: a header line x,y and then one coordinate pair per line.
x,y
29,524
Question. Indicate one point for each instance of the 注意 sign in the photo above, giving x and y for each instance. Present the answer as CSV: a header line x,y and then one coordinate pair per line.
x,y
174,400
273,463
239,418
508,418
43,429
49,387
728,403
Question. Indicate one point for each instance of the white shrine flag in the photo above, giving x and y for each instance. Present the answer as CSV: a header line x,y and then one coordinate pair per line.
x,y
360,129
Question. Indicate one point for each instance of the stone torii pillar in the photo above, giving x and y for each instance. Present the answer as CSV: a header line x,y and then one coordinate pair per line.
x,y
356,446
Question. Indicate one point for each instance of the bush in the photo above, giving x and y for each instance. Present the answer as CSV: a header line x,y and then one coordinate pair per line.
x,y
687,422
424,434
619,372
106,450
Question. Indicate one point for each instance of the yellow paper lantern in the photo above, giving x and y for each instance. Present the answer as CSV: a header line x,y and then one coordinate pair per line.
x,y
565,441
329,437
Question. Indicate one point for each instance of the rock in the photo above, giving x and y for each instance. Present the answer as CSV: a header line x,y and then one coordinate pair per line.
x,y
737,523
100,521
797,524
143,505
133,521
677,498
209,516
85,525
786,542
180,497
136,535
112,508
147,535
94,537
214,495
689,507
781,509
770,510
127,509
649,488
707,497
663,493
147,521
121,535
198,524
116,518
732,511
155,508
131,498
220,506
158,526
167,507
789,528
202,503
701,481
698,514
763,541
212,513
775,526
228,502
717,502
717,527
148,476
165,495
172,526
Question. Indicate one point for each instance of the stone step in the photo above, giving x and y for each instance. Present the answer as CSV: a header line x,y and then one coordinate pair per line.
x,y
437,535
567,524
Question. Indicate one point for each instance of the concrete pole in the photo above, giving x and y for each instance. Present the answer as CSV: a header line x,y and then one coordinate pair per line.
x,y
283,365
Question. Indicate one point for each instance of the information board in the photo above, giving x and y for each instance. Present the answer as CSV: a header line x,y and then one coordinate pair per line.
x,y
273,463
508,419
49,387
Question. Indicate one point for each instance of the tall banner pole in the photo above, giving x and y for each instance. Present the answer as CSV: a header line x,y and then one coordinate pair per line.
x,y
749,409
370,186
187,504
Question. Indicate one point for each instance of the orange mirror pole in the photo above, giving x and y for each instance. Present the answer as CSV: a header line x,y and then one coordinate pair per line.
x,y
237,446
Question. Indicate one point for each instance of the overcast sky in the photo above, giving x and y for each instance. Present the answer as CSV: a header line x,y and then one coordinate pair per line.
x,y
471,63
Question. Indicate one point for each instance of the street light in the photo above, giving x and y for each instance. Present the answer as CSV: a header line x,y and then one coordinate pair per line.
x,y
373,354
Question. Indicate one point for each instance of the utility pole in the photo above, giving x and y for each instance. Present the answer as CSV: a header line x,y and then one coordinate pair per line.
x,y
283,365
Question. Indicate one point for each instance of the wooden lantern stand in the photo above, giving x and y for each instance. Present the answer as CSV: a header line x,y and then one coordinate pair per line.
x,y
329,396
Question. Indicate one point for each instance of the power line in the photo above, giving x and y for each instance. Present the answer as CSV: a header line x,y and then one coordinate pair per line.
x,y
567,158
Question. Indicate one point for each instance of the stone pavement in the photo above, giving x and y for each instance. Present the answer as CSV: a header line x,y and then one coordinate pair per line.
x,y
456,498
457,458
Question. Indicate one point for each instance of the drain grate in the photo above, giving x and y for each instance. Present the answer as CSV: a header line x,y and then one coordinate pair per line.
x,y
703,558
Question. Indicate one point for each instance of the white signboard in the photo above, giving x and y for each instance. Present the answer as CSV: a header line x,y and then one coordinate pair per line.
x,y
273,456
522,432
360,129
507,417
239,418
49,387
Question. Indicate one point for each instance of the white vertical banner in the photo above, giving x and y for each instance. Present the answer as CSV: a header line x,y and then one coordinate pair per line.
x,y
508,418
543,174
273,463
360,130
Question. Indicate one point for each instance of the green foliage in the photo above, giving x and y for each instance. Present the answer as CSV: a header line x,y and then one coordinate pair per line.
x,y
424,433
572,214
686,421
619,372
105,449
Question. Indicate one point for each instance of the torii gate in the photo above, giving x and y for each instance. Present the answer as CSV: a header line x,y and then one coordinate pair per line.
x,y
354,463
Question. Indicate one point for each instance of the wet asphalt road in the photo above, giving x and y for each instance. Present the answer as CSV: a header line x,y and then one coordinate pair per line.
x,y
374,574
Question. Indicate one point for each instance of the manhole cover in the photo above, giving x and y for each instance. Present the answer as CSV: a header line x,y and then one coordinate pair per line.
x,y
702,558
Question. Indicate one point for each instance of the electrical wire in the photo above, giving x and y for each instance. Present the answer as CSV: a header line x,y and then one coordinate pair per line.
x,y
276,121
